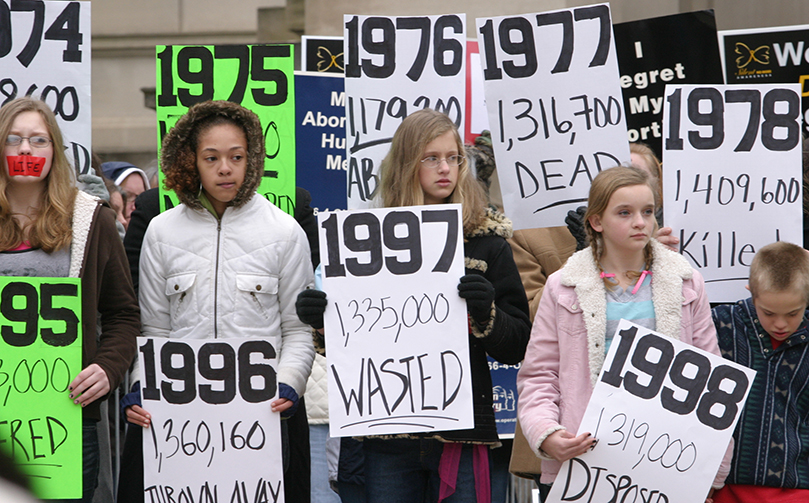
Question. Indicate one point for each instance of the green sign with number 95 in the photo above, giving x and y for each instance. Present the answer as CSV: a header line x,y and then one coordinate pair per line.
x,y
40,354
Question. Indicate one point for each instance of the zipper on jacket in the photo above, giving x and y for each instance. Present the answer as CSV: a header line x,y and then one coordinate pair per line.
x,y
216,279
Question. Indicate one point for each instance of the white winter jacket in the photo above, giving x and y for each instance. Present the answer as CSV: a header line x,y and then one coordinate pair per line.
x,y
203,278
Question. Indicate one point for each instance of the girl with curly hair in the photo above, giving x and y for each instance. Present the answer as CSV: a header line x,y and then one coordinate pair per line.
x,y
226,262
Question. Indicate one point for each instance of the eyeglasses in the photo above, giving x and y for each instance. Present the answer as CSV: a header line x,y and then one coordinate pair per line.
x,y
13,140
434,162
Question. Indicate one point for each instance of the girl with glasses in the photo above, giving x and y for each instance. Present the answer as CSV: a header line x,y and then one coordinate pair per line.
x,y
425,165
50,229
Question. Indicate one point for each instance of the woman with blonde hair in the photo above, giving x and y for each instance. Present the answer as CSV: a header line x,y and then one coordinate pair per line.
x,y
426,165
624,273
50,229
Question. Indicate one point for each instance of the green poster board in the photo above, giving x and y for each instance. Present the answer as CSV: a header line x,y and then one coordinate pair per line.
x,y
40,354
258,77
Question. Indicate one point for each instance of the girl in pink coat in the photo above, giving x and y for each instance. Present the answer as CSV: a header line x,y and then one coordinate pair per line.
x,y
624,271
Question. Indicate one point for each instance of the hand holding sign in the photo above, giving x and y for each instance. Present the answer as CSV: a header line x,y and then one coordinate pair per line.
x,y
562,445
91,384
662,413
310,306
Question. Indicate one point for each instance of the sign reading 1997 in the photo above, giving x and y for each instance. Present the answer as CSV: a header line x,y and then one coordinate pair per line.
x,y
40,354
396,328
258,77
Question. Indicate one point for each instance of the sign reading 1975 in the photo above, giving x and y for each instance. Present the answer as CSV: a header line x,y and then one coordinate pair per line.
x,y
258,77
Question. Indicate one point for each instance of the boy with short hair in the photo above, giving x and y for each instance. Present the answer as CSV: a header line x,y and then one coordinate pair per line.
x,y
768,333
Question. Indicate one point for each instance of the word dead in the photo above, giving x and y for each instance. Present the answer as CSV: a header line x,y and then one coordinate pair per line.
x,y
555,174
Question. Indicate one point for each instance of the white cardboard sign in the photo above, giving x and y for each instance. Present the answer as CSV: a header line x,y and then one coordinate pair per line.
x,y
394,67
555,108
45,53
397,340
663,413
213,435
732,176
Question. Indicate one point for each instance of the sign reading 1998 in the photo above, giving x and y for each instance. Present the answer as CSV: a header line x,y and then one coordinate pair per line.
x,y
700,386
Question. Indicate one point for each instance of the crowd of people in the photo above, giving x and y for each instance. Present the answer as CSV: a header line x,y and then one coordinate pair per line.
x,y
227,262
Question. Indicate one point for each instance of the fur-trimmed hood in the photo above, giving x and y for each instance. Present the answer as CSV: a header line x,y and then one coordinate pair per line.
x,y
493,223
176,151
669,270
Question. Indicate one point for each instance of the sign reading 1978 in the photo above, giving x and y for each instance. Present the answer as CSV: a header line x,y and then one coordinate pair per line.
x,y
732,152
40,354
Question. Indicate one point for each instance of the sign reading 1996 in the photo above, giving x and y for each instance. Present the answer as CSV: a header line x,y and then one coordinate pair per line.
x,y
396,329
213,435
40,354
258,77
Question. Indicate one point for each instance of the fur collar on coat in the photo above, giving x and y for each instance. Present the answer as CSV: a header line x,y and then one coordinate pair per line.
x,y
669,270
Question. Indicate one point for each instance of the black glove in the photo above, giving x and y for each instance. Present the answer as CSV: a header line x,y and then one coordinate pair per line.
x,y
575,224
479,295
310,306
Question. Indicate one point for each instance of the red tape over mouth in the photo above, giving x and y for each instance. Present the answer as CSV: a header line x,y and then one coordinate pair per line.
x,y
25,165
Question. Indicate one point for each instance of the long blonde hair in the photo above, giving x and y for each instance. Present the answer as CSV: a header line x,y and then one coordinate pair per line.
x,y
51,229
399,171
603,187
